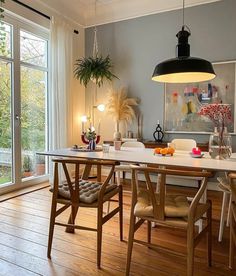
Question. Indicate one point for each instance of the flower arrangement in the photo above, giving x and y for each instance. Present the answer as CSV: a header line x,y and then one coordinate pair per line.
x,y
120,107
220,141
90,134
219,114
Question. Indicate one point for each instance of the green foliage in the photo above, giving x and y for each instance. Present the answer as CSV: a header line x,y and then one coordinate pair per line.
x,y
90,134
27,164
32,108
93,68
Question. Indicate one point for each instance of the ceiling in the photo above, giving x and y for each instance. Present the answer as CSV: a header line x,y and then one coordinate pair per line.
x,y
84,13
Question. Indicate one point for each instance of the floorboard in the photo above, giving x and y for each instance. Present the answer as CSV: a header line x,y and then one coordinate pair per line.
x,y
24,232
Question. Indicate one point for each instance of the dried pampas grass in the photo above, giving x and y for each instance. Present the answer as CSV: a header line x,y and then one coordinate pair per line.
x,y
120,107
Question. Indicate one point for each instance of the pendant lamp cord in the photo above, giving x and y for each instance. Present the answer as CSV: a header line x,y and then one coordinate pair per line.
x,y
95,54
95,42
183,25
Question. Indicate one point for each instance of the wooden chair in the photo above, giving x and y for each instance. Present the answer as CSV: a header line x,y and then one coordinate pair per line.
x,y
232,179
170,211
184,144
83,193
123,168
224,186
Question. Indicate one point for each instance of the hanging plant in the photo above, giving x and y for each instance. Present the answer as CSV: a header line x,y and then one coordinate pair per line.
x,y
95,68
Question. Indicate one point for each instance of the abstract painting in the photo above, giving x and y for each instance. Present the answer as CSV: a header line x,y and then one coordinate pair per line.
x,y
183,101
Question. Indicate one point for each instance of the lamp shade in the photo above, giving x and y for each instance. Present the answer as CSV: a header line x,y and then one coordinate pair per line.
x,y
183,70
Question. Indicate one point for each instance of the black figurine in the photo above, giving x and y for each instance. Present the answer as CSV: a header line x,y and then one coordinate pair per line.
x,y
158,134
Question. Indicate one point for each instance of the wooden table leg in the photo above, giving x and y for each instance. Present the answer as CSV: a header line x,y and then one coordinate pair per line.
x,y
99,173
86,172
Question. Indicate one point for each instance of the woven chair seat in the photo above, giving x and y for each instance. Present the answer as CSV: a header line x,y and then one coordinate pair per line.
x,y
176,208
88,190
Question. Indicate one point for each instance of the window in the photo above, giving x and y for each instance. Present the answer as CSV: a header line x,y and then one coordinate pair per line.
x,y
23,101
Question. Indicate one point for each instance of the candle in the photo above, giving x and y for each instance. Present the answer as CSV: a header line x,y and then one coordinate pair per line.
x,y
82,127
196,151
84,120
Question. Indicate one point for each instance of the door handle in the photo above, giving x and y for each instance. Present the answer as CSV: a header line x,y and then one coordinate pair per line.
x,y
18,118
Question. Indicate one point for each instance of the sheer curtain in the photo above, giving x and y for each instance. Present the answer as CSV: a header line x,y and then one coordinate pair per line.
x,y
61,77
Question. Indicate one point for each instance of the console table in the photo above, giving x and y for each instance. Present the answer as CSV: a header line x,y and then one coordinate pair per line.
x,y
153,144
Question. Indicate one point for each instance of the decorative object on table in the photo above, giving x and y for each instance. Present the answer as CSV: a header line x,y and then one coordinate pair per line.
x,y
121,109
85,149
158,134
169,151
196,153
117,144
183,68
105,148
90,138
184,101
220,142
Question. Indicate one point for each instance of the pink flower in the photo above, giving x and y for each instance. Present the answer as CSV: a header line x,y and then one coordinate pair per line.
x,y
219,114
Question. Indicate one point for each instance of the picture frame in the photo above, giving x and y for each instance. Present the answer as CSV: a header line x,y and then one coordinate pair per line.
x,y
182,102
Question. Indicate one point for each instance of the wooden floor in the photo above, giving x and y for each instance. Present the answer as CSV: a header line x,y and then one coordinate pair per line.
x,y
24,233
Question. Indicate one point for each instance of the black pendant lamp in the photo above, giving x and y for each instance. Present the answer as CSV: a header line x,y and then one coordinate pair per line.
x,y
183,68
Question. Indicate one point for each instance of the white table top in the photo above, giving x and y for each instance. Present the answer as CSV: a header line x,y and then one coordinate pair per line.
x,y
146,156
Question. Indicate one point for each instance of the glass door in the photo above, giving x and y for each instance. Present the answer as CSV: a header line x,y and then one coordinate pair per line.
x,y
23,103
33,68
6,130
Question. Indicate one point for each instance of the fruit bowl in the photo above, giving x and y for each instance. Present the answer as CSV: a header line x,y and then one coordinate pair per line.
x,y
164,151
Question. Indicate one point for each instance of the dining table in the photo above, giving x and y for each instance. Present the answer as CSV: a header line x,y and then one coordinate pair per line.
x,y
147,156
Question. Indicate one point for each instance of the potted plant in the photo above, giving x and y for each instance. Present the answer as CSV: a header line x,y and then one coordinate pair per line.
x,y
94,68
40,165
120,107
27,166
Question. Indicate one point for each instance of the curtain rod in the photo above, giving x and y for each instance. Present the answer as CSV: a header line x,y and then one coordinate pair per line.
x,y
37,11
32,9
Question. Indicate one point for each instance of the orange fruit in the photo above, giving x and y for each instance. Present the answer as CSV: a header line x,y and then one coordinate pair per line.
x,y
171,151
164,151
157,150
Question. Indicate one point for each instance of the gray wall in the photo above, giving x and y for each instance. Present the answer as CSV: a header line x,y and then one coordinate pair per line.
x,y
137,45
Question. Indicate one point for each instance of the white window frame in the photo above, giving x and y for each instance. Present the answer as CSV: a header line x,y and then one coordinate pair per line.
x,y
18,24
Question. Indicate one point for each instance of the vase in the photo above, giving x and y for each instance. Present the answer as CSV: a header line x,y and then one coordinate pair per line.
x,y
92,144
220,144
117,134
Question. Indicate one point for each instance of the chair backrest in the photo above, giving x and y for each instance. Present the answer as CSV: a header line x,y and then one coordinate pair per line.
x,y
133,144
159,206
184,144
73,185
232,182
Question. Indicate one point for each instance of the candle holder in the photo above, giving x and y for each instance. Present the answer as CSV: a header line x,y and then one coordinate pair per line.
x,y
158,134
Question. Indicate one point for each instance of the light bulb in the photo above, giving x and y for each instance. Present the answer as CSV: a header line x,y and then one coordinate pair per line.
x,y
84,118
101,107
